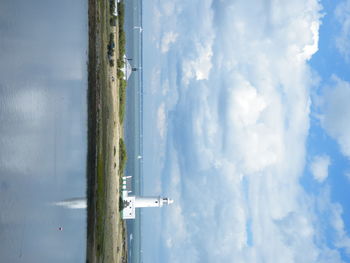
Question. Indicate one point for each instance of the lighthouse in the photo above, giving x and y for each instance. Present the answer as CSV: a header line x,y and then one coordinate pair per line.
x,y
130,203
152,201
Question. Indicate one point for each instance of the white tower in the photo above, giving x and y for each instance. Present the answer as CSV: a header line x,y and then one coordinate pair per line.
x,y
152,201
130,203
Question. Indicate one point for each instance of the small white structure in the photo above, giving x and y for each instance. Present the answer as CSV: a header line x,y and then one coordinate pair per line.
x,y
115,11
127,69
139,28
130,203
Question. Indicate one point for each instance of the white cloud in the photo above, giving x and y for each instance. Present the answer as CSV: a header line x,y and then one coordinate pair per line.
x,y
167,40
347,175
237,132
342,240
336,114
336,226
312,48
319,167
154,80
342,14
199,67
161,120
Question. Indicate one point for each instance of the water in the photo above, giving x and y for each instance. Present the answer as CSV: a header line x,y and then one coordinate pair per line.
x,y
43,82
133,120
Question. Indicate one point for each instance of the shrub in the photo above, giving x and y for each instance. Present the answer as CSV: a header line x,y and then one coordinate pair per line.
x,y
122,99
120,63
112,7
122,156
113,21
120,74
121,33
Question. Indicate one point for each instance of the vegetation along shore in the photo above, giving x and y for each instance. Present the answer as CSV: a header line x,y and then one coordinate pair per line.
x,y
106,157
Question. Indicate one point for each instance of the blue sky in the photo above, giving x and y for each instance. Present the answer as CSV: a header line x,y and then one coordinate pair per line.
x,y
246,127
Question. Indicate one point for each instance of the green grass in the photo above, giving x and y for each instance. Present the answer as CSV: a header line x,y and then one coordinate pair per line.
x,y
100,204
121,32
120,62
103,34
100,191
122,156
122,99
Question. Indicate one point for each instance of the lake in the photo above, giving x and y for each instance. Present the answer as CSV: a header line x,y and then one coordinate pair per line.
x,y
43,129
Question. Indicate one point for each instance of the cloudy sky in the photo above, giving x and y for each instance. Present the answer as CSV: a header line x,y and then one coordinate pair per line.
x,y
246,119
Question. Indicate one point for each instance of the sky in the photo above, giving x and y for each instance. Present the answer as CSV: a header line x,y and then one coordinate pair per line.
x,y
246,126
43,82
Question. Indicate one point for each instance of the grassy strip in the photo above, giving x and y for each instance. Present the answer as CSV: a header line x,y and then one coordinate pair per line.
x,y
122,99
121,34
100,23
102,78
100,205
122,156
92,134
120,61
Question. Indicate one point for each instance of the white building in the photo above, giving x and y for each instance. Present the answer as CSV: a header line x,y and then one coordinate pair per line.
x,y
130,203
127,69
115,11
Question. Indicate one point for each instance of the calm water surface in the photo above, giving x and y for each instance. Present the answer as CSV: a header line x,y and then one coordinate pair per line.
x,y
43,82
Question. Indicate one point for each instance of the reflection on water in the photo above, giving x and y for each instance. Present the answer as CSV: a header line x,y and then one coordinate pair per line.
x,y
43,84
73,203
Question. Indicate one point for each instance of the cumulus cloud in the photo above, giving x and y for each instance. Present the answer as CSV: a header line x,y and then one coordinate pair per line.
x,y
333,213
341,238
347,175
336,114
319,167
200,66
167,40
342,14
237,103
161,120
